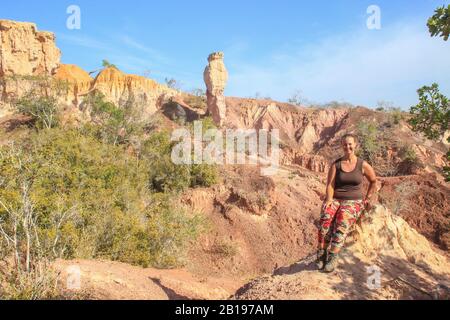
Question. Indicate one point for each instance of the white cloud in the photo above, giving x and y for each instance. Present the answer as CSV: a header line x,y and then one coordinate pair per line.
x,y
82,41
362,67
152,53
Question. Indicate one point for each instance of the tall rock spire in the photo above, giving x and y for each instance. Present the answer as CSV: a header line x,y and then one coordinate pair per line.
x,y
215,77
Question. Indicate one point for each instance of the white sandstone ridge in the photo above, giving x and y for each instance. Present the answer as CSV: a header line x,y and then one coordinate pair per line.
x,y
216,77
385,259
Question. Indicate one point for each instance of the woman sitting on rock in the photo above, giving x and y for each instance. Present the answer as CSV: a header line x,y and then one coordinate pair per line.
x,y
344,202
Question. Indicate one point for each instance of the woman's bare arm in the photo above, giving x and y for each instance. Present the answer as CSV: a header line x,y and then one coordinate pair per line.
x,y
330,184
369,173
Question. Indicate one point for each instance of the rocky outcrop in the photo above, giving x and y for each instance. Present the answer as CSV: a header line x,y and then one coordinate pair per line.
x,y
312,162
28,57
78,82
384,259
216,77
124,89
26,51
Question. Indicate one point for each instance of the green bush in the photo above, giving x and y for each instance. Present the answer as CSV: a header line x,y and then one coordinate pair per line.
x,y
165,176
110,123
408,154
43,110
203,175
369,142
394,116
103,193
170,229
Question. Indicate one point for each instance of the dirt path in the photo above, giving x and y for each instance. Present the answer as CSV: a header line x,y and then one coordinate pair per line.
x,y
115,280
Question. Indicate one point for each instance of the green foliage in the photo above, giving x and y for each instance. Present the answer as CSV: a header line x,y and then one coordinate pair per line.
x,y
197,99
395,115
298,99
42,109
439,23
36,78
336,105
172,83
40,283
208,123
112,212
110,123
170,229
107,64
368,134
408,154
203,175
431,116
165,176
198,92
225,248
384,105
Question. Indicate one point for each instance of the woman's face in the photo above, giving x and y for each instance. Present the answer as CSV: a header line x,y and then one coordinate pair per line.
x,y
349,145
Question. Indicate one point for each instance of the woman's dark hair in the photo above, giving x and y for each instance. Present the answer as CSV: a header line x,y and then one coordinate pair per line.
x,y
350,135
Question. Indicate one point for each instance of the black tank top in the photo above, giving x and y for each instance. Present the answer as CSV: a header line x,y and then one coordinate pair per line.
x,y
348,185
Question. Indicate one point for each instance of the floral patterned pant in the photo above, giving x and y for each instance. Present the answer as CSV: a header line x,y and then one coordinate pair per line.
x,y
336,221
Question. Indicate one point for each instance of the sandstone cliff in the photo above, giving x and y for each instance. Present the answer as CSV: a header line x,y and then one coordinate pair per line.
x,y
28,57
123,89
26,51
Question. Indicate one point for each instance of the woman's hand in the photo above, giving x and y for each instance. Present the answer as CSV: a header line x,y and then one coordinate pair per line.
x,y
368,205
327,203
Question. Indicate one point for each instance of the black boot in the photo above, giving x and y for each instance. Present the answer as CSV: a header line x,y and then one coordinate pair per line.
x,y
332,262
321,258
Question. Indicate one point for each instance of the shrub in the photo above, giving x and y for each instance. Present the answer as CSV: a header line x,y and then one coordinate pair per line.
x,y
43,110
107,64
172,83
394,116
166,176
110,123
170,229
408,154
97,196
368,134
196,100
431,116
225,248
203,175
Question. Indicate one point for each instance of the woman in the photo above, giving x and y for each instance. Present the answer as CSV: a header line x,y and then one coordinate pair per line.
x,y
344,202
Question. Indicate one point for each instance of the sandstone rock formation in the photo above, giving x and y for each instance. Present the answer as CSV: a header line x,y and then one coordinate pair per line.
x,y
312,162
28,57
26,51
123,89
216,77
78,82
408,266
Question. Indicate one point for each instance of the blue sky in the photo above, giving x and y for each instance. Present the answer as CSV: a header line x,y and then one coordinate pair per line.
x,y
274,48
